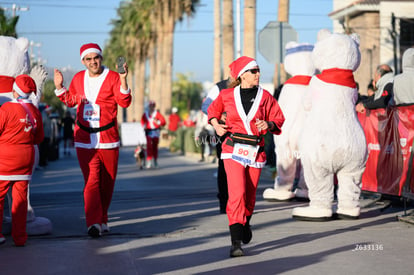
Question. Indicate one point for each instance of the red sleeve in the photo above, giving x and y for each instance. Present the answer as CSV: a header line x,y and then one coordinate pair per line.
x,y
161,118
39,131
144,120
3,119
73,96
123,99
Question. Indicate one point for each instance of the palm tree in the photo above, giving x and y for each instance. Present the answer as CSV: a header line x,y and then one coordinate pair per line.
x,y
283,16
249,42
8,24
166,14
144,33
129,38
218,66
228,35
137,32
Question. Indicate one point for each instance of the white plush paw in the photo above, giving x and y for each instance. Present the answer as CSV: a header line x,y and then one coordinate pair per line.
x,y
277,194
348,213
301,193
39,75
39,226
312,213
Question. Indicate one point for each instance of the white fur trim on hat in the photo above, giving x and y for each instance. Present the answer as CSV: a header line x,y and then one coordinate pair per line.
x,y
250,65
19,91
90,50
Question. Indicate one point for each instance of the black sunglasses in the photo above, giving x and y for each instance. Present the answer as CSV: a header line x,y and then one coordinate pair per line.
x,y
254,71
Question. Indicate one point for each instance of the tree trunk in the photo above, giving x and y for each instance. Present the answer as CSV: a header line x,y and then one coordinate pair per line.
x,y
283,16
249,42
228,36
168,45
132,108
139,88
218,66
153,74
157,55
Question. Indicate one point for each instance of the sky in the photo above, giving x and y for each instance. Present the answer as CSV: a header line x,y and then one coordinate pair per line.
x,y
58,28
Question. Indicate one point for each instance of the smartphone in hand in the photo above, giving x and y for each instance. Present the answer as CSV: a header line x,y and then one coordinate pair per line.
x,y
120,61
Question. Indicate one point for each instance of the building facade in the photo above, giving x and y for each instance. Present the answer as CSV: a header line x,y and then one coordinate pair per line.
x,y
385,28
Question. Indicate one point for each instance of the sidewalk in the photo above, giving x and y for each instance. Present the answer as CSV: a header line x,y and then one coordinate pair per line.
x,y
167,221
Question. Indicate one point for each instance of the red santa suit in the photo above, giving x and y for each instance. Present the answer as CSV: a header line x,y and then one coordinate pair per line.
x,y
20,129
243,176
96,136
152,123
174,121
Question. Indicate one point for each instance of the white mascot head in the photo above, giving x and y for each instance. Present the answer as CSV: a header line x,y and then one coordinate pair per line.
x,y
336,51
14,56
298,59
15,60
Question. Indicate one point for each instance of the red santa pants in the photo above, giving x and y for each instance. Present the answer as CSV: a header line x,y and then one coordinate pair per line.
x,y
242,185
99,168
19,208
152,148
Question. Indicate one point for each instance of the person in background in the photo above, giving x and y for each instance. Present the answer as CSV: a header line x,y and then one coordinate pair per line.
x,y
67,123
251,112
222,193
404,82
44,147
370,93
97,92
21,128
383,86
203,135
152,121
174,121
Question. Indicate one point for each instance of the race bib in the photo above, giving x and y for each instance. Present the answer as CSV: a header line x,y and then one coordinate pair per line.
x,y
245,153
91,112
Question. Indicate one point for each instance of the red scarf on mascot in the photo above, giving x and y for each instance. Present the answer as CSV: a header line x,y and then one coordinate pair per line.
x,y
299,80
338,76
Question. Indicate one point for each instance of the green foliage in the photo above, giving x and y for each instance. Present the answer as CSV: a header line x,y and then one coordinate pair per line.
x,y
184,141
131,33
8,24
186,95
50,98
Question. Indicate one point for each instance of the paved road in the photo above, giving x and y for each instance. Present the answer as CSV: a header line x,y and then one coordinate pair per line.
x,y
167,221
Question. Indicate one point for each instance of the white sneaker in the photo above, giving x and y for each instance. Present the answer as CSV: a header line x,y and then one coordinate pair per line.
x,y
348,213
277,194
94,230
105,228
301,193
312,213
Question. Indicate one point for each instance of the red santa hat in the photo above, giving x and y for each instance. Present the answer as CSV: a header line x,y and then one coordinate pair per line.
x,y
24,85
90,48
241,65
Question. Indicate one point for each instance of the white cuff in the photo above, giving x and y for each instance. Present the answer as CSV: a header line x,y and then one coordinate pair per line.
x,y
125,91
60,92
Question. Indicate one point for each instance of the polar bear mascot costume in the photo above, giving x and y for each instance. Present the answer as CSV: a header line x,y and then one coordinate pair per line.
x,y
15,61
298,63
332,141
